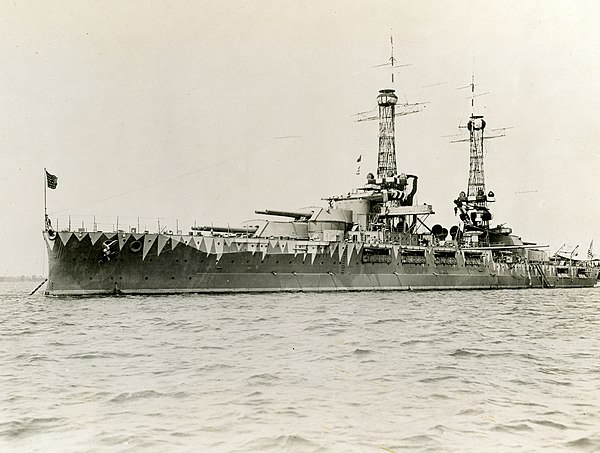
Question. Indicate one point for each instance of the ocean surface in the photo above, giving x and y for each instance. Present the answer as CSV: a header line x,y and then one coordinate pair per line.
x,y
468,371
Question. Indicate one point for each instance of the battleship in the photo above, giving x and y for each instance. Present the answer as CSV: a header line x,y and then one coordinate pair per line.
x,y
374,238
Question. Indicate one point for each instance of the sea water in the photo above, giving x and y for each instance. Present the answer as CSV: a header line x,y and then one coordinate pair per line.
x,y
469,371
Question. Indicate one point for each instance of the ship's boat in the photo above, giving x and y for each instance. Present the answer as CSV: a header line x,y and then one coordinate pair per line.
x,y
374,238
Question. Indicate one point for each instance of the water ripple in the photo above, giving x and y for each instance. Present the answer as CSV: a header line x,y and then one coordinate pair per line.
x,y
145,394
28,426
469,371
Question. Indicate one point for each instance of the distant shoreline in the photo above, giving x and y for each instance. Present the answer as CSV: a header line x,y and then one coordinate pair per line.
x,y
22,278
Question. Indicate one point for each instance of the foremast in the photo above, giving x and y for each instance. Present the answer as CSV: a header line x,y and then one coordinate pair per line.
x,y
384,209
386,158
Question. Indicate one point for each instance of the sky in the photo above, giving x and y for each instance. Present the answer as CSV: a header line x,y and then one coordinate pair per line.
x,y
203,111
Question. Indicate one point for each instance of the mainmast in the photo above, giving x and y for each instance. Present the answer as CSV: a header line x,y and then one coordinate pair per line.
x,y
473,205
476,126
476,185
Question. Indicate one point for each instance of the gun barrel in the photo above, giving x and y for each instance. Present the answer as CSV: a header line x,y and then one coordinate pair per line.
x,y
294,215
250,229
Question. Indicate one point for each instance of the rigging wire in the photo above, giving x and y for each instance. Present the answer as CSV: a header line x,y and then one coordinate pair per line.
x,y
147,186
160,182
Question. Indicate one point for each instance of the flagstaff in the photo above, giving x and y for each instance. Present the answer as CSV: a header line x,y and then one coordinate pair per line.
x,y
51,181
45,204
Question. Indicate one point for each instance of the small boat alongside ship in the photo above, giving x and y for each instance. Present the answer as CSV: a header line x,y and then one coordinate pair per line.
x,y
374,238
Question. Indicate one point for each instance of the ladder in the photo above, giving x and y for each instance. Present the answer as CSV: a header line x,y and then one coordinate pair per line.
x,y
545,282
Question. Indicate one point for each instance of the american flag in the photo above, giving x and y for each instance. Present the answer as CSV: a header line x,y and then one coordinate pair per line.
x,y
51,180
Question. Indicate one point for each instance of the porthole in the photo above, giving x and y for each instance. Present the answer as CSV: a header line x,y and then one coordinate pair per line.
x,y
145,278
135,246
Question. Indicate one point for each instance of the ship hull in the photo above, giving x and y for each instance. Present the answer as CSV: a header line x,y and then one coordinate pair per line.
x,y
176,264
